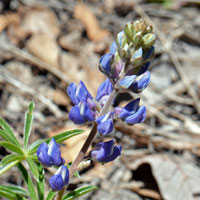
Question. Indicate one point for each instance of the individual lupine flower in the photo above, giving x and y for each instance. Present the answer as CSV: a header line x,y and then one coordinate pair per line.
x,y
49,154
81,113
105,123
140,83
132,113
135,83
106,151
78,93
60,179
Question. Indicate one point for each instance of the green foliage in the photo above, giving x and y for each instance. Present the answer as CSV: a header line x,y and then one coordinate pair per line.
x,y
79,192
35,181
28,124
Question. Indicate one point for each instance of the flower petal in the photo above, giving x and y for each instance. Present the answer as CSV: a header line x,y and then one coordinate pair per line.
x,y
105,63
105,127
75,115
106,151
141,82
71,91
126,81
54,153
104,89
42,154
114,155
56,182
137,117
85,111
113,48
129,109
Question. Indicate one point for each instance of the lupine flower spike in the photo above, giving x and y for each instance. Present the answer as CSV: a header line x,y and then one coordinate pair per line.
x,y
126,68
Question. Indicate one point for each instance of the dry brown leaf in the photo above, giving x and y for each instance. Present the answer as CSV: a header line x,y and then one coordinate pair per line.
x,y
147,193
60,97
99,171
177,179
44,47
39,21
6,20
87,17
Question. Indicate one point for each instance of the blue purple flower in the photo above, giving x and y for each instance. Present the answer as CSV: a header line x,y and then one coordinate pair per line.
x,y
132,113
105,63
78,93
49,154
106,151
81,113
140,83
60,179
104,89
105,123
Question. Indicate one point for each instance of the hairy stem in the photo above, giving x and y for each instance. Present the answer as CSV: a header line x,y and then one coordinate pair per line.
x,y
88,142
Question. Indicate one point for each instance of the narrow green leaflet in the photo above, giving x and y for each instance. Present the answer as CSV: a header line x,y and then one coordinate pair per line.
x,y
79,192
9,132
28,181
40,183
33,147
10,158
59,139
7,195
5,135
5,168
13,189
33,167
28,124
51,195
66,135
11,147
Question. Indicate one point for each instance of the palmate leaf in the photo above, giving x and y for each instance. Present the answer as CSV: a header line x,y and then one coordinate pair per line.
x,y
28,124
79,192
59,139
9,134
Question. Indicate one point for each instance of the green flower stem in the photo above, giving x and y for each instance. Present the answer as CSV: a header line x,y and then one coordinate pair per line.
x,y
88,142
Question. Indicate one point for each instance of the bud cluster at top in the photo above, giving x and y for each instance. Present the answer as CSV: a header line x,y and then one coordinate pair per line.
x,y
130,53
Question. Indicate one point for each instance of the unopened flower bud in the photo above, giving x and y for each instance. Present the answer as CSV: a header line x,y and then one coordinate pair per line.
x,y
136,58
49,154
149,40
60,179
